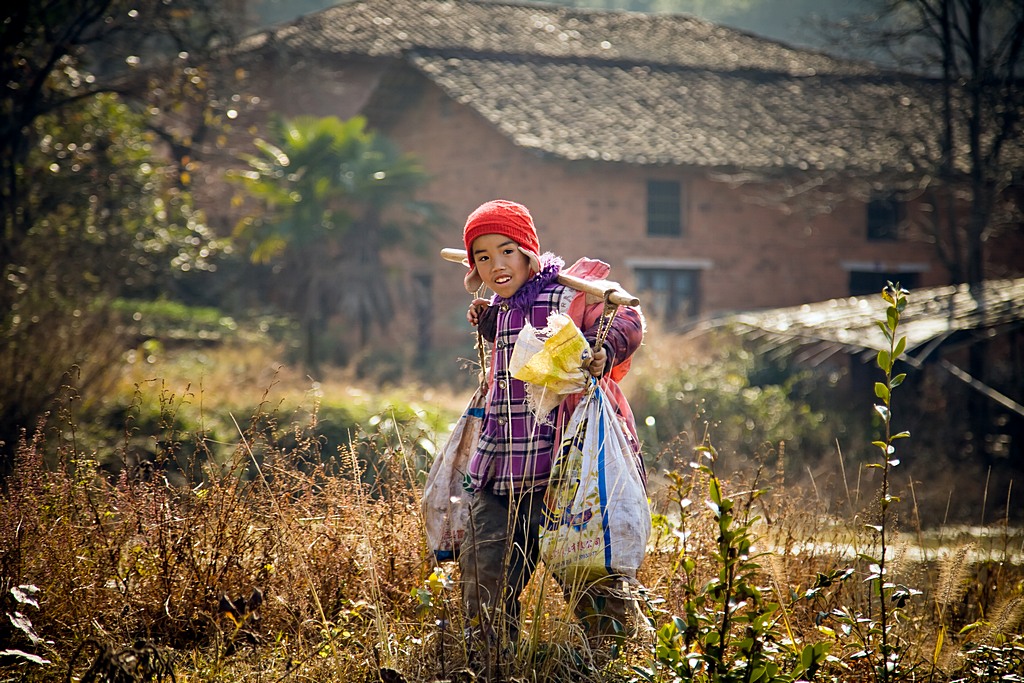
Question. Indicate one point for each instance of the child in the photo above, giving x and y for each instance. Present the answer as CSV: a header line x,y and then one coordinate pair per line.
x,y
509,471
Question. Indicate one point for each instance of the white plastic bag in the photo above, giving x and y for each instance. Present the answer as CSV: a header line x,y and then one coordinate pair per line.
x,y
445,497
597,518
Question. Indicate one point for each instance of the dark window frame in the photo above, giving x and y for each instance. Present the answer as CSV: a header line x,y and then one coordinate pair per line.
x,y
884,216
665,205
871,282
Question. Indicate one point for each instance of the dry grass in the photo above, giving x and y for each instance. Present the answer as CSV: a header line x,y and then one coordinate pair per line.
x,y
272,571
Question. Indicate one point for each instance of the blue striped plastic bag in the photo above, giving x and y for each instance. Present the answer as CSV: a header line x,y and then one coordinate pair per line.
x,y
597,519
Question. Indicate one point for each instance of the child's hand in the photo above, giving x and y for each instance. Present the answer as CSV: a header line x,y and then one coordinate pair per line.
x,y
475,308
597,362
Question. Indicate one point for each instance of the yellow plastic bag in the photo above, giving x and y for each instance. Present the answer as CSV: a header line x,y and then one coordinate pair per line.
x,y
551,361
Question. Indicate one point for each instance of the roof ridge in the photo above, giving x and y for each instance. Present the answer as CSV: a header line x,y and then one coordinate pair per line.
x,y
648,16
460,52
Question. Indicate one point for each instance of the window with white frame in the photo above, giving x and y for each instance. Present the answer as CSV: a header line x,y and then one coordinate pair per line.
x,y
671,295
867,278
866,283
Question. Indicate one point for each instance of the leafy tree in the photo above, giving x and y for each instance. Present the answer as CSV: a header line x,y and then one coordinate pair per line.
x,y
57,53
107,218
334,196
89,207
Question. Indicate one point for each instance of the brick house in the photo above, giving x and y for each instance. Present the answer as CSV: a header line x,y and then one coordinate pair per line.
x,y
714,170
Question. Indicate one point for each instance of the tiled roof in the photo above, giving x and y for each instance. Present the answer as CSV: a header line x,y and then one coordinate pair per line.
x,y
644,114
636,88
390,27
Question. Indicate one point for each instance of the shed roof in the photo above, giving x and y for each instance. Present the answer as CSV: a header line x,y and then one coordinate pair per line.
x,y
932,317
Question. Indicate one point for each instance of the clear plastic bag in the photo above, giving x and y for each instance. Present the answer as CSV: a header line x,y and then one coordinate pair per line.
x,y
445,501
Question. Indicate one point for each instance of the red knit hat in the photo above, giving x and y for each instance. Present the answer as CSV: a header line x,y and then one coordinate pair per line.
x,y
500,217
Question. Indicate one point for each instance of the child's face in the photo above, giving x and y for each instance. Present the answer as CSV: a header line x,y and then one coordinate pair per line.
x,y
502,267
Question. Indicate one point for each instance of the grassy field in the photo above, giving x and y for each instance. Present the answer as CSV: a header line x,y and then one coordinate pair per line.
x,y
291,555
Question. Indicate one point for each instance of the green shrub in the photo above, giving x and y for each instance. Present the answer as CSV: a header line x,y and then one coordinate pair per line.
x,y
168,320
712,386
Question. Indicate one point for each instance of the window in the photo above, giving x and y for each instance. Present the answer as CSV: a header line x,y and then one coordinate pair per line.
x,y
868,282
670,294
664,208
884,217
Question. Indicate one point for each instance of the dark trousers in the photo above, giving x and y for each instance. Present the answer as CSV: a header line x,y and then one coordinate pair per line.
x,y
497,559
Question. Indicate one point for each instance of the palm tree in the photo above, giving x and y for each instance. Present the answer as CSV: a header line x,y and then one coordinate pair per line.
x,y
333,196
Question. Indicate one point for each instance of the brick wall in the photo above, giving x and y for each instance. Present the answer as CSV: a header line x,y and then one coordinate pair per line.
x,y
752,250
749,255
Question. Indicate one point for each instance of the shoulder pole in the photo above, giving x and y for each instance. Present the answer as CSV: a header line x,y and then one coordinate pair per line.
x,y
613,295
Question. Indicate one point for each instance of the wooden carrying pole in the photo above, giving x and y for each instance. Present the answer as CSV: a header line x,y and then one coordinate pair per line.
x,y
611,294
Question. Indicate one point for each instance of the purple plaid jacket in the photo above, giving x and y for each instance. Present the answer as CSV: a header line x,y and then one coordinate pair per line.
x,y
515,450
